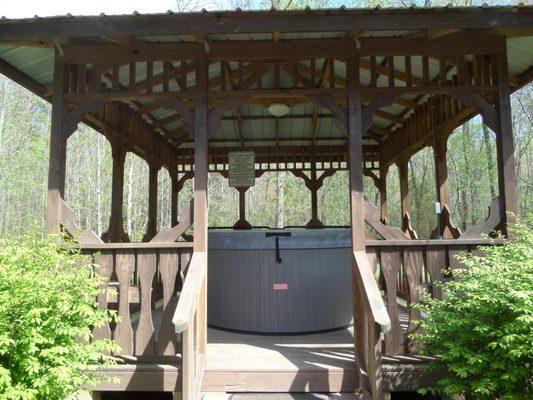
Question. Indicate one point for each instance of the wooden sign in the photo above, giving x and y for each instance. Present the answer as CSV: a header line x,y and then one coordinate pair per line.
x,y
241,169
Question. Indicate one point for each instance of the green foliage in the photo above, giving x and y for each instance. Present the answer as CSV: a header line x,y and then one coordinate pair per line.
x,y
483,328
47,309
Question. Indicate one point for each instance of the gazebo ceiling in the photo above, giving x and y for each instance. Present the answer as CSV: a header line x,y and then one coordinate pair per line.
x,y
27,56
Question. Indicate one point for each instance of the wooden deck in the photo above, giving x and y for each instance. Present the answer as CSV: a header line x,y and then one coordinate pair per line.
x,y
238,362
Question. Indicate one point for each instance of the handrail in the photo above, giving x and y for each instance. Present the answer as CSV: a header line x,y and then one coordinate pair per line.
x,y
190,293
70,226
135,245
371,293
174,233
433,242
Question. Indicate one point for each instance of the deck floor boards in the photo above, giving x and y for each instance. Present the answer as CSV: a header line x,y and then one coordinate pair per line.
x,y
243,362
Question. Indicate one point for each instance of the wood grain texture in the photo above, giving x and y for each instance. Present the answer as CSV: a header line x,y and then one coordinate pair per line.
x,y
390,268
125,265
105,264
168,268
145,333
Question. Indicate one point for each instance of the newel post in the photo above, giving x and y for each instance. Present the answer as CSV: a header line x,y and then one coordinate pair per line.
x,y
58,149
357,217
200,187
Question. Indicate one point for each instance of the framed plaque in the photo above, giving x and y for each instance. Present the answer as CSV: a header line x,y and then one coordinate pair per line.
x,y
241,169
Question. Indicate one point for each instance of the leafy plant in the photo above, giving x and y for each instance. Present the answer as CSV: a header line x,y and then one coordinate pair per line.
x,y
483,328
47,311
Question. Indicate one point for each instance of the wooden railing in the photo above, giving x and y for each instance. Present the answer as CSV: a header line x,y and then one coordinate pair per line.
x,y
143,279
188,321
371,319
405,267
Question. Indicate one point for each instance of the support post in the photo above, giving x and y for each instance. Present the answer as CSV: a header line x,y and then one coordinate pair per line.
x,y
504,144
151,229
403,171
58,150
383,205
313,187
313,183
242,223
200,187
357,221
115,232
174,193
441,181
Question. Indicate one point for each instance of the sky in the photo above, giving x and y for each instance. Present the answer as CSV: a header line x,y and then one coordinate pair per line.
x,y
43,8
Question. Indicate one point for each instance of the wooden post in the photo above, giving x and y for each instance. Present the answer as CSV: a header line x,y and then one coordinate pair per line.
x,y
242,223
357,217
403,164
504,143
151,229
174,193
313,183
200,187
441,180
383,206
58,150
115,232
313,187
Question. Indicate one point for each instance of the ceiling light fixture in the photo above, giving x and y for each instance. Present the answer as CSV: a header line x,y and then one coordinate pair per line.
x,y
278,109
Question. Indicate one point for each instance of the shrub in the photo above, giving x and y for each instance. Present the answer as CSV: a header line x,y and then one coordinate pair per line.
x,y
483,328
47,311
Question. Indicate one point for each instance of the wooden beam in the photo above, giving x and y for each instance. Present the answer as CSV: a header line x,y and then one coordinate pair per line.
x,y
437,33
102,125
366,66
266,22
285,49
452,44
21,78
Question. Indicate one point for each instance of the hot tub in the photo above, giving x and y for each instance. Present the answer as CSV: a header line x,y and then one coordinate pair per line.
x,y
280,281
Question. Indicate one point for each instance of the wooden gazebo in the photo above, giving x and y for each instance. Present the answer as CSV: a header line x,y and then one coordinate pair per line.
x,y
364,89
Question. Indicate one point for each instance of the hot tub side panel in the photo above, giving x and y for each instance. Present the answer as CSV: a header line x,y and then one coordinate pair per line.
x,y
310,290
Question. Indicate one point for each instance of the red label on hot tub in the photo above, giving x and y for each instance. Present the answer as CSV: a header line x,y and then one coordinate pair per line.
x,y
280,286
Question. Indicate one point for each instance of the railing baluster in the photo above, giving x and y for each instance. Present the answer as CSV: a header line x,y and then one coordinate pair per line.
x,y
412,261
145,333
168,266
125,265
105,269
436,261
390,266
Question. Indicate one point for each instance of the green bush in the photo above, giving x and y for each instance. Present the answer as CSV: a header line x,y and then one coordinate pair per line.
x,y
47,310
483,329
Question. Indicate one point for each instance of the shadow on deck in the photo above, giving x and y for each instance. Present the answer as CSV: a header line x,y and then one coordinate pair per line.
x,y
240,362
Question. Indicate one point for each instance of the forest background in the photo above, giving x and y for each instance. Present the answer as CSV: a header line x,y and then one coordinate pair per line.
x,y
277,200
